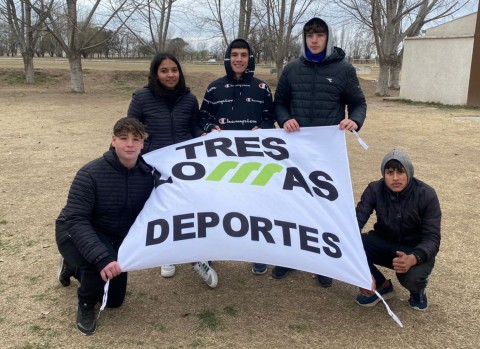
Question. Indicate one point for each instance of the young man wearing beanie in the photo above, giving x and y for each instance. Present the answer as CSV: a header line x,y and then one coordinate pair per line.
x,y
406,235
315,90
238,101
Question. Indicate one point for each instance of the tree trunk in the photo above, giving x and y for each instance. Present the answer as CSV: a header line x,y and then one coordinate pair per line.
x,y
76,74
382,83
28,66
395,77
395,69
241,20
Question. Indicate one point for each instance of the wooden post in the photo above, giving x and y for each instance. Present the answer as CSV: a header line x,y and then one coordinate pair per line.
x,y
473,98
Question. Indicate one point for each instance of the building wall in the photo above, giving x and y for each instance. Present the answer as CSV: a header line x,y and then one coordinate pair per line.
x,y
437,69
459,27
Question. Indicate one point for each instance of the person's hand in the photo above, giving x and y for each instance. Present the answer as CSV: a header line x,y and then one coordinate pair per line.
x,y
216,128
291,125
110,271
403,262
371,292
349,125
255,128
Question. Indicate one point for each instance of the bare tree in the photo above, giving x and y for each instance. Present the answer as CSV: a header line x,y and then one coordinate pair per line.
x,y
279,19
391,21
73,44
151,23
218,19
25,29
244,19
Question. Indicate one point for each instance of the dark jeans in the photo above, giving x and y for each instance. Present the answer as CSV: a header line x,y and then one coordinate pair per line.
x,y
91,286
382,252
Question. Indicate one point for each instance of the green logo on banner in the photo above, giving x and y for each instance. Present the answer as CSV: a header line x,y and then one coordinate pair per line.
x,y
241,175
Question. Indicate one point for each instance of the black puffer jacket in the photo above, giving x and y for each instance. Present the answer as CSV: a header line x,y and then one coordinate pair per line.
x,y
411,217
235,104
317,93
105,198
164,126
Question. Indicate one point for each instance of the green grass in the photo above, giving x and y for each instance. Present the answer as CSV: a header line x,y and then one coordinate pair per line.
x,y
437,105
197,343
299,328
3,222
209,319
35,346
128,81
17,77
230,310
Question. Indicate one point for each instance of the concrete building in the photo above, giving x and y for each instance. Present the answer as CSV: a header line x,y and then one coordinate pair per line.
x,y
444,65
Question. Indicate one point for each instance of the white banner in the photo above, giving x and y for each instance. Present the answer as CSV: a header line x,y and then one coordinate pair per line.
x,y
263,196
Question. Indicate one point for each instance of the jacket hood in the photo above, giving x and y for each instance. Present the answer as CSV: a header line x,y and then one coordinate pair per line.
x,y
329,49
403,158
248,74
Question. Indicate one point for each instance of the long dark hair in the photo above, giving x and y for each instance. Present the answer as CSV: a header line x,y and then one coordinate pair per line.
x,y
154,84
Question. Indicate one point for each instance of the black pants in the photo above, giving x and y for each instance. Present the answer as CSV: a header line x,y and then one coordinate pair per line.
x,y
91,286
382,252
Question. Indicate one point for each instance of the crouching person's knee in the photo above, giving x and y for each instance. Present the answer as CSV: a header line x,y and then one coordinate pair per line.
x,y
414,280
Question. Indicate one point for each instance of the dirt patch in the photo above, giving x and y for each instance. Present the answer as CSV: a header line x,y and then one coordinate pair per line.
x,y
49,133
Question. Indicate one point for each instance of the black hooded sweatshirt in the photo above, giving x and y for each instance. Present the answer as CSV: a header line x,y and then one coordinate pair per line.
x,y
237,104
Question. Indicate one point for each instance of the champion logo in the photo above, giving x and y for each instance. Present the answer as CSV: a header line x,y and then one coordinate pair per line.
x,y
264,86
221,121
229,85
251,100
329,80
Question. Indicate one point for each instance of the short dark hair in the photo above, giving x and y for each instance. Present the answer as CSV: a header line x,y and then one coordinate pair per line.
x,y
315,25
394,165
153,82
129,125
239,44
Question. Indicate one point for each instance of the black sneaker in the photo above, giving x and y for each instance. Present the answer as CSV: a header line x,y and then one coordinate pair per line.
x,y
86,322
64,272
280,272
324,281
418,301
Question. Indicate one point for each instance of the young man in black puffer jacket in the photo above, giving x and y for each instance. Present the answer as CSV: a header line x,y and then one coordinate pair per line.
x,y
105,198
406,235
315,90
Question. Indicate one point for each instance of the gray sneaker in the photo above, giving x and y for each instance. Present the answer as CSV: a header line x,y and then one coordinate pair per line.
x,y
206,273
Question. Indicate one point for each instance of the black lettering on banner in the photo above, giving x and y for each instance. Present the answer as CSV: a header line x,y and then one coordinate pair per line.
x,y
227,224
331,239
305,238
151,239
332,193
206,220
261,225
294,178
286,227
269,143
242,146
179,226
199,171
220,144
190,149
158,181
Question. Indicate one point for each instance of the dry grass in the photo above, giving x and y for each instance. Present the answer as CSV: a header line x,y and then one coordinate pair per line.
x,y
48,133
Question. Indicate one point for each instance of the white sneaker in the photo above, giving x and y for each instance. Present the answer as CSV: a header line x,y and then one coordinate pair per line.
x,y
167,271
206,273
